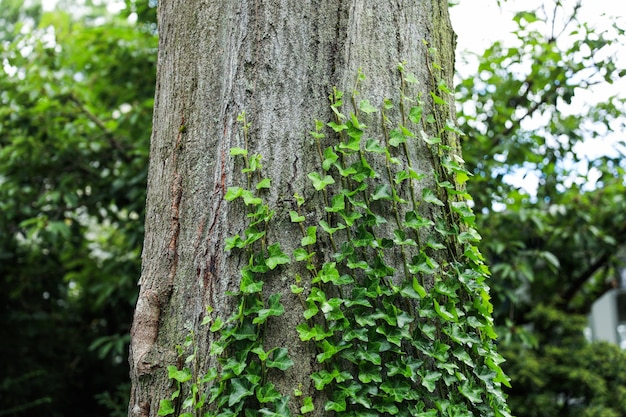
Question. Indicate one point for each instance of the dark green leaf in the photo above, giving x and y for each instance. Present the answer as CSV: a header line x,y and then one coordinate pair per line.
x,y
280,360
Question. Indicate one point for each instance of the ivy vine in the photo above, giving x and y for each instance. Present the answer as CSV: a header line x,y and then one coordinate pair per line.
x,y
417,340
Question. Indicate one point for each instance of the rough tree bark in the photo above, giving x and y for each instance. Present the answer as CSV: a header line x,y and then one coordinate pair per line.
x,y
277,61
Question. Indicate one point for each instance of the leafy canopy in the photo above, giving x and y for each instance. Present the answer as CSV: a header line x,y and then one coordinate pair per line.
x,y
553,245
76,97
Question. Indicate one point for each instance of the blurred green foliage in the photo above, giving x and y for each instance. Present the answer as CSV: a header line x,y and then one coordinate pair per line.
x,y
553,218
76,96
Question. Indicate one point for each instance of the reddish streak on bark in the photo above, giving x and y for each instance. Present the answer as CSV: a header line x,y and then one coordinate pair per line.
x,y
177,193
218,192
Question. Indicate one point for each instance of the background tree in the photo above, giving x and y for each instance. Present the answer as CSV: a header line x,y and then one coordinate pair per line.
x,y
76,94
343,276
553,250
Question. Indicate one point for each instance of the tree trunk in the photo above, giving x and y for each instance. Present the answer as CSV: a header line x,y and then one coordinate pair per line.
x,y
277,61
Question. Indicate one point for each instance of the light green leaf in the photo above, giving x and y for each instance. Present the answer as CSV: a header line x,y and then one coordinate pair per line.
x,y
307,405
181,375
232,193
311,236
264,183
320,183
295,217
276,256
366,107
429,196
166,407
275,309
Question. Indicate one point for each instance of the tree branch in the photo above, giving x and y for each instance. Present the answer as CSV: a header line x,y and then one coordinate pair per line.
x,y
109,135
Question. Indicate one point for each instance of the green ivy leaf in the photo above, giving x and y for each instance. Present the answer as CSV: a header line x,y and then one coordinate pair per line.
x,y
181,375
350,216
240,389
248,284
363,170
394,335
345,172
399,238
382,192
249,199
311,236
282,409
238,151
295,217
363,237
415,114
316,333
233,193
464,211
429,379
469,236
280,359
329,350
328,273
307,405
166,407
397,390
323,377
255,164
429,196
428,329
234,242
374,146
351,334
366,107
264,183
415,221
330,157
426,138
369,373
354,142
337,127
318,182
443,312
267,393
471,391
236,364
368,356
411,78
252,235
462,355
423,264
217,324
437,99
275,309
276,256
337,406
396,138
338,203
331,230
301,254
262,354
398,367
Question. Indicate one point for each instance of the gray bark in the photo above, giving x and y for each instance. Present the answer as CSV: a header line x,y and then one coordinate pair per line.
x,y
277,61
